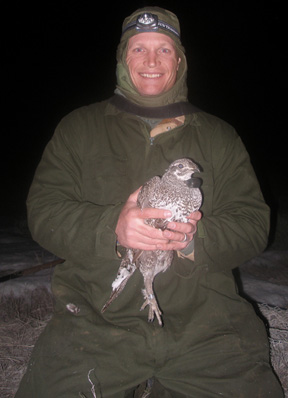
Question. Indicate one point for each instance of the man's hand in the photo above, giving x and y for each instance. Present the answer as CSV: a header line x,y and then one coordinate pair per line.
x,y
132,231
178,231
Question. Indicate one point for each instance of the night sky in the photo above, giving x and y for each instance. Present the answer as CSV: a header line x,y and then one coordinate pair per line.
x,y
60,57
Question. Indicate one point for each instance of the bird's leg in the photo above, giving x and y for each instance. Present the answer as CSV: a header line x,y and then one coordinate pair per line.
x,y
150,300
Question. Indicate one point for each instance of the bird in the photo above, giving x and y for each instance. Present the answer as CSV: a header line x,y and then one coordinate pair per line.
x,y
178,191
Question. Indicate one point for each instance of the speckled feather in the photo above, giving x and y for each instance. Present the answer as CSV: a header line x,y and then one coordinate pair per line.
x,y
177,191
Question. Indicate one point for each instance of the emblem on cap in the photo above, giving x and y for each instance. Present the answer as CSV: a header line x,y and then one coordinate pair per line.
x,y
147,21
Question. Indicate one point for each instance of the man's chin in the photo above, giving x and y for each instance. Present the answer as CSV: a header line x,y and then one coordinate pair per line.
x,y
151,92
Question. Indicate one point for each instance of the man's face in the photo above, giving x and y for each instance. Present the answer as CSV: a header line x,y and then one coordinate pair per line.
x,y
152,62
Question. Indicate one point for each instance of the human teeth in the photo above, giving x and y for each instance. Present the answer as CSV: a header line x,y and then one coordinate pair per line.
x,y
151,76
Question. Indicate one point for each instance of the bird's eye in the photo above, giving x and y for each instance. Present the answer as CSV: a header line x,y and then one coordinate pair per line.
x,y
180,165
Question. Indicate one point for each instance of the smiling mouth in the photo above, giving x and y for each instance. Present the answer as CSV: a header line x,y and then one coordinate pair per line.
x,y
151,75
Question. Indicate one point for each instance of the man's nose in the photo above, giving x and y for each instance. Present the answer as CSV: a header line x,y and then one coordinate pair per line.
x,y
152,59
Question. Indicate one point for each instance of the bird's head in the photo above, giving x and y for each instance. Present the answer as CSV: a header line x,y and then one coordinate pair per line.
x,y
182,170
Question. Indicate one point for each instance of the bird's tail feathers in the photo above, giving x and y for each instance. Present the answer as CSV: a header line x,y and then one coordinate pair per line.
x,y
117,287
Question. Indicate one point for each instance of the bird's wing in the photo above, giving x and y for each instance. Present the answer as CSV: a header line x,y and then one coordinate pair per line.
x,y
147,192
149,197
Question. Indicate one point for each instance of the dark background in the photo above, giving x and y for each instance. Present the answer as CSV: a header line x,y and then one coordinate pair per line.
x,y
61,56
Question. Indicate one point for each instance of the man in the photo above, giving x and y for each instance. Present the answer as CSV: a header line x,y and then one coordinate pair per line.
x,y
82,207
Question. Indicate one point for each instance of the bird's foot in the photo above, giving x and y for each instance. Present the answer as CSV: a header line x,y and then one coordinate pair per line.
x,y
153,308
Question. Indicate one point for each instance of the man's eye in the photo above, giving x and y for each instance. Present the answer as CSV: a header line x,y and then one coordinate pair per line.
x,y
164,50
138,50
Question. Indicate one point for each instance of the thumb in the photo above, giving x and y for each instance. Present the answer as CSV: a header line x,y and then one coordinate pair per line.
x,y
133,197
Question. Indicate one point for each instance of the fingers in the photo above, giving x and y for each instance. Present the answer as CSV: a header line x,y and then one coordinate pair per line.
x,y
176,240
150,212
180,234
133,197
195,216
178,229
132,231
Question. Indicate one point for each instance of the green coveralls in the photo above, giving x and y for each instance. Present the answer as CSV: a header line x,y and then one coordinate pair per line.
x,y
212,343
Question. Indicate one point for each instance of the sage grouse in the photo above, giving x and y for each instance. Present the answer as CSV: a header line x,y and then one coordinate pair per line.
x,y
177,191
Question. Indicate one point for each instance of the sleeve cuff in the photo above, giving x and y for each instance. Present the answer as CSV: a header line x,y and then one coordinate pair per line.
x,y
188,252
188,249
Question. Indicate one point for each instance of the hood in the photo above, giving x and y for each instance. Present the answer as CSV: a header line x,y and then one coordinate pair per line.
x,y
168,24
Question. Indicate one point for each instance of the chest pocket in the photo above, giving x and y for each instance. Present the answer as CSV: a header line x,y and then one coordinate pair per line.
x,y
105,180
